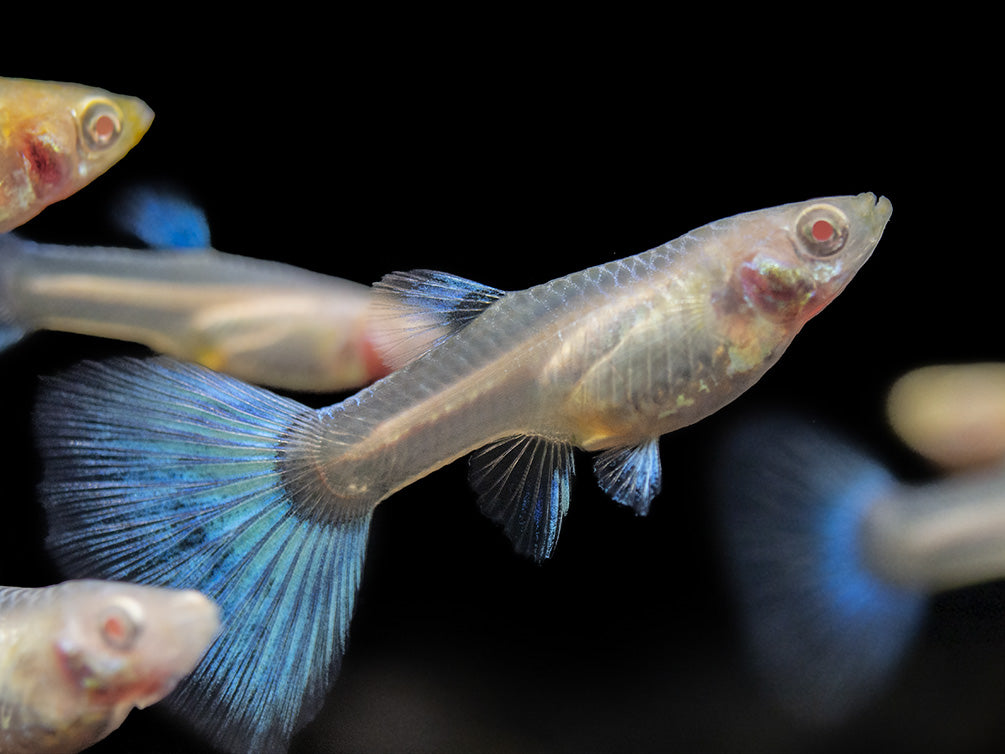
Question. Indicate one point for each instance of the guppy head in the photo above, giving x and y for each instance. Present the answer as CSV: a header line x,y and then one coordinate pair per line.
x,y
808,252
126,645
69,134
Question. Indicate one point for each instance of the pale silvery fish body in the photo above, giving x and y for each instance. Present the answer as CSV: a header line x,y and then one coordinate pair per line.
x,y
612,356
55,138
76,657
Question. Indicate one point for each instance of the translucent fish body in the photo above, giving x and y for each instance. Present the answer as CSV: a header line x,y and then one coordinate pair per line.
x,y
75,658
265,322
56,138
608,358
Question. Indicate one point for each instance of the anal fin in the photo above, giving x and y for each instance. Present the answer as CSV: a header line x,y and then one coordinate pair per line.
x,y
523,483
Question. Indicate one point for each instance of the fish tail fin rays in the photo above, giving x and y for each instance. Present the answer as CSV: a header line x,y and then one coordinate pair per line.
x,y
162,219
169,474
415,311
523,483
823,631
631,475
11,329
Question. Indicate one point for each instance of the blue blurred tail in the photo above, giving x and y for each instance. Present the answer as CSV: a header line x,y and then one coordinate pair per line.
x,y
162,218
166,473
822,631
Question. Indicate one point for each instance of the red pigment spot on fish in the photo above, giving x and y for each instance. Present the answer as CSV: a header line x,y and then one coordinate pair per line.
x,y
822,230
46,165
374,365
779,293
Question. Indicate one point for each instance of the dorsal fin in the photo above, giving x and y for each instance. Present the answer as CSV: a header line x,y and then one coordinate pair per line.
x,y
523,483
415,311
631,474
162,219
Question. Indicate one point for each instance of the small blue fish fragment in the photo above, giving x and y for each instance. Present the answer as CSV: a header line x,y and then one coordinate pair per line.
x,y
162,220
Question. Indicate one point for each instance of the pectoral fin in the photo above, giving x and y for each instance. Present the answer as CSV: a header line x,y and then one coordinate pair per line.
x,y
523,483
415,311
631,475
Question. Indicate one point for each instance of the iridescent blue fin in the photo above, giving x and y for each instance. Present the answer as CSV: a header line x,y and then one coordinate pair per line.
x,y
415,311
631,474
823,631
523,483
168,473
162,220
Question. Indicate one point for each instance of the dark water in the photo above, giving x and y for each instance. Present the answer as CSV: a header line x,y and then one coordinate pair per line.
x,y
513,174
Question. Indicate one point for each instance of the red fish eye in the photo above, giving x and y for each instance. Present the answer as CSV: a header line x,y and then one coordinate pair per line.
x,y
822,230
100,124
118,628
104,128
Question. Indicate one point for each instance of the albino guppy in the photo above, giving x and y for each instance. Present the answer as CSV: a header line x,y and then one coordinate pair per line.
x,y
76,657
834,560
56,138
265,322
954,415
168,473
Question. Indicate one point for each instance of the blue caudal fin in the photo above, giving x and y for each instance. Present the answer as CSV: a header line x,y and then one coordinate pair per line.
x,y
166,473
162,219
822,630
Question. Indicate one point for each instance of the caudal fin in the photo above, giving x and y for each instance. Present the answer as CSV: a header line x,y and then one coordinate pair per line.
x,y
822,631
166,473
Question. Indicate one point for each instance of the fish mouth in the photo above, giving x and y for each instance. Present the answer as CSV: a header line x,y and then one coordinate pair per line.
x,y
876,209
139,116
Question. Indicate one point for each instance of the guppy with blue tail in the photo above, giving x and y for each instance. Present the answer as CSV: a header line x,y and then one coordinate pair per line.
x,y
170,474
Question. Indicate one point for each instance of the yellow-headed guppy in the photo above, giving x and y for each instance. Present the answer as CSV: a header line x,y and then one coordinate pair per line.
x,y
171,474
75,658
56,138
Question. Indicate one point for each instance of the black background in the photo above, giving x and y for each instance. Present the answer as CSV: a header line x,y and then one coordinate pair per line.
x,y
511,152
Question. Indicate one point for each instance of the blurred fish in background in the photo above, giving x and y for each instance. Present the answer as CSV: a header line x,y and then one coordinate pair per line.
x,y
952,414
55,138
834,560
266,322
77,657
